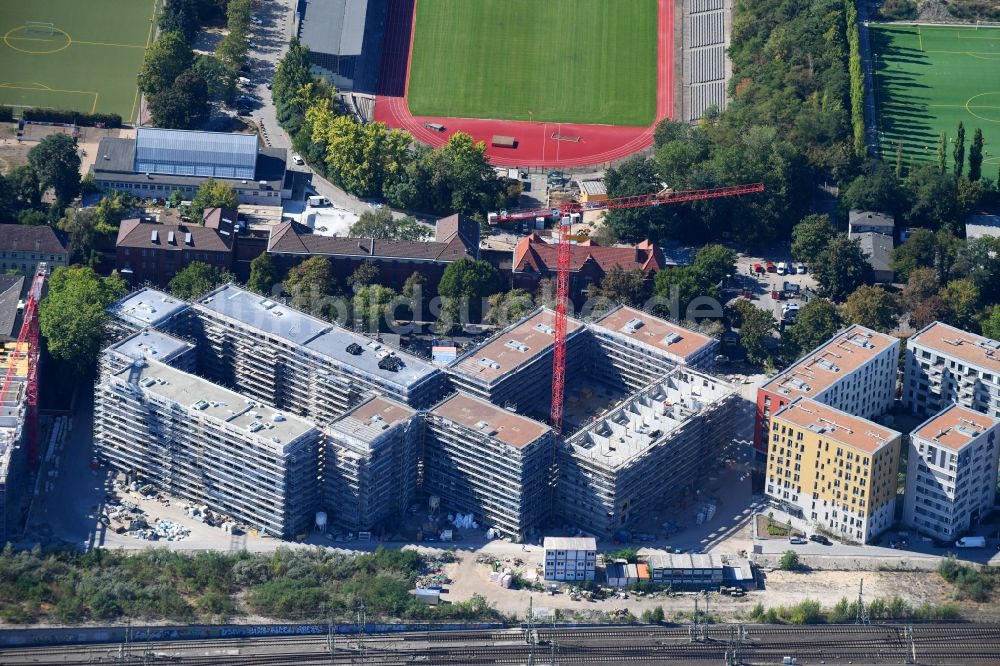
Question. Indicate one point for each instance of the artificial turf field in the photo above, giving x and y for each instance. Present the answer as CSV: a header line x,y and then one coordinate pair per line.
x,y
87,62
930,78
573,61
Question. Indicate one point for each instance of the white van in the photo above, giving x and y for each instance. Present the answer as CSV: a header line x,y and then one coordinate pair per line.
x,y
319,202
971,542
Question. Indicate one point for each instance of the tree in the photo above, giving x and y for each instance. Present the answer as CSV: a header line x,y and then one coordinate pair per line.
x,y
198,278
624,286
676,287
933,200
841,267
73,314
164,61
873,307
961,297
981,261
876,191
713,263
380,226
263,274
414,291
212,194
811,236
309,283
919,251
182,105
756,326
817,321
292,73
364,275
990,323
959,152
373,305
361,158
931,309
220,81
464,286
81,224
25,187
976,156
635,176
57,165
507,307
921,285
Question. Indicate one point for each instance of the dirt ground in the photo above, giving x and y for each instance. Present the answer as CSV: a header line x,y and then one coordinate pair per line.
x,y
782,589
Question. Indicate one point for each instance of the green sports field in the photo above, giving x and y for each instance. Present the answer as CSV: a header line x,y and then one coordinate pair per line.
x,y
578,61
74,54
930,78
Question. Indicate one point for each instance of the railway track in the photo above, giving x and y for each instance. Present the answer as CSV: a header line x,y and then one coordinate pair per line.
x,y
763,644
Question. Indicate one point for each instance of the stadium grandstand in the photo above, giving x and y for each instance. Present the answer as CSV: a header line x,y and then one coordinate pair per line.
x,y
345,40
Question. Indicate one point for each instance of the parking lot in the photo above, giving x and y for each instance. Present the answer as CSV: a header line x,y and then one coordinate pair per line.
x,y
761,286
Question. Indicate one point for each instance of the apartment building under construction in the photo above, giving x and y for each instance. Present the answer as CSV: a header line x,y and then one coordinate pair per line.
x,y
308,366
209,445
488,461
370,464
652,449
14,477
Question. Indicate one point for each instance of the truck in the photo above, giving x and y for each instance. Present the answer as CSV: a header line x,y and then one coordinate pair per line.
x,y
317,201
971,542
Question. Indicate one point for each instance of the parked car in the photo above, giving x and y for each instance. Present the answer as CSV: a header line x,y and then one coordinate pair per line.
x,y
819,538
782,268
800,268
797,540
770,267
789,311
297,159
758,268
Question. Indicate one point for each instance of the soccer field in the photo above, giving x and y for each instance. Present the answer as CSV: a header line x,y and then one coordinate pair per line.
x,y
74,54
930,78
575,61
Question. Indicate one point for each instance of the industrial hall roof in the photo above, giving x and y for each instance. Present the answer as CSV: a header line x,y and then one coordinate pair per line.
x,y
190,153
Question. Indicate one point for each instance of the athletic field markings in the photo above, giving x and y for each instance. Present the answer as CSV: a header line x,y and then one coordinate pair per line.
x,y
920,38
41,87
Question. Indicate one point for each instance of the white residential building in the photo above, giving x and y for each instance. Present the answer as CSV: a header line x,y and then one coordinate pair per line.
x,y
951,472
570,558
946,365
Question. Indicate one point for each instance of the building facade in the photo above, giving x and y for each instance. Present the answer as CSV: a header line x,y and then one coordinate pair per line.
x,y
484,460
23,246
646,453
854,371
370,464
149,252
569,558
951,472
15,476
946,365
205,444
836,470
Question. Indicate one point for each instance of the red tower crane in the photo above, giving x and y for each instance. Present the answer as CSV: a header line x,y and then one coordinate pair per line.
x,y
25,352
567,211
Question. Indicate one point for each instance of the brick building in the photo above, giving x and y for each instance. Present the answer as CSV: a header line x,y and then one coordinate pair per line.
x,y
150,252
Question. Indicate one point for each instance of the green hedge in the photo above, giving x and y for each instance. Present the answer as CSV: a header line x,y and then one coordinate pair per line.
x,y
857,79
75,117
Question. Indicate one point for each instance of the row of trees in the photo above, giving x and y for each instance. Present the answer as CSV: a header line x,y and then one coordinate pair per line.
x,y
857,79
371,160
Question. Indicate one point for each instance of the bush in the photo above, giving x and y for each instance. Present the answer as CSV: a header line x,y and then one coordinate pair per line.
x,y
790,561
111,120
653,615
807,611
6,114
970,583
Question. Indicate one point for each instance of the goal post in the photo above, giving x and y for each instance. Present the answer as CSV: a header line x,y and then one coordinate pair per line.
x,y
40,27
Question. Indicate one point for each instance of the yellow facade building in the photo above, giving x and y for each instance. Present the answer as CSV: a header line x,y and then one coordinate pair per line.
x,y
835,470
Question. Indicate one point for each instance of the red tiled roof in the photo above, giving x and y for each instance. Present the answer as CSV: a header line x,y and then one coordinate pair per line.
x,y
532,253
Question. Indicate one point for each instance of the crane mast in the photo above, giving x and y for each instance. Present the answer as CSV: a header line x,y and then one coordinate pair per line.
x,y
570,212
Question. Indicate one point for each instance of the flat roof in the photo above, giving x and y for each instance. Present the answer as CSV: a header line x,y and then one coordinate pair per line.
x,y
148,307
486,418
837,426
513,347
979,225
569,543
643,327
151,344
955,426
830,362
869,218
971,348
372,417
276,430
316,335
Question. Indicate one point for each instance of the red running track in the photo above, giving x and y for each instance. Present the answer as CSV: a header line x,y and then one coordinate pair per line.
x,y
535,146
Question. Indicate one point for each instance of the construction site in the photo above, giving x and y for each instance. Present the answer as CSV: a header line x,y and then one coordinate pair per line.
x,y
281,422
